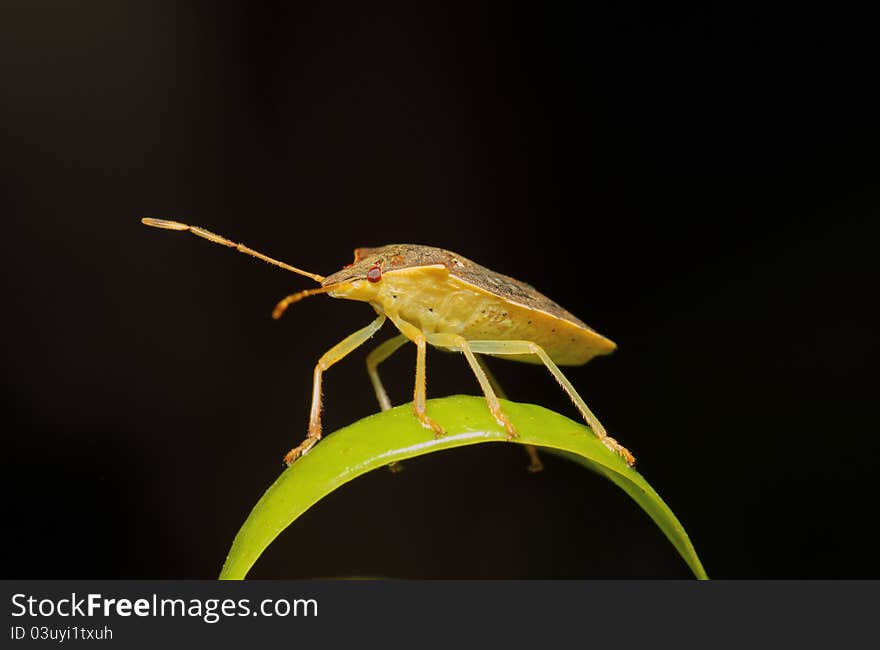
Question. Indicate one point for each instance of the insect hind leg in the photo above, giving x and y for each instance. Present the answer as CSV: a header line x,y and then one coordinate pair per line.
x,y
502,348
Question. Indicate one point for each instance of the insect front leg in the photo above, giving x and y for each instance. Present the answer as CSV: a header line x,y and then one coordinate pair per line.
x,y
334,354
529,347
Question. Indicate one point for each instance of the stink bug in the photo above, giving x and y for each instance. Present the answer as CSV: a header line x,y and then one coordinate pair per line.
x,y
434,296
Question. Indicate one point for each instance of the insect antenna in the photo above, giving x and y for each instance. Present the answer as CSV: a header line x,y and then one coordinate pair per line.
x,y
217,239
284,303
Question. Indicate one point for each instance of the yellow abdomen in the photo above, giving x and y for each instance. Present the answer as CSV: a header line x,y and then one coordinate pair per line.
x,y
437,302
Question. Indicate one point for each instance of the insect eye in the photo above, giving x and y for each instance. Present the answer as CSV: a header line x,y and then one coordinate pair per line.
x,y
375,273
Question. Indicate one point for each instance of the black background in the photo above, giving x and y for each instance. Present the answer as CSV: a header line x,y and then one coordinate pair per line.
x,y
698,182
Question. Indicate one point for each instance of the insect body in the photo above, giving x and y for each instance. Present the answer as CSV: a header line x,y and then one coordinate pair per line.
x,y
436,297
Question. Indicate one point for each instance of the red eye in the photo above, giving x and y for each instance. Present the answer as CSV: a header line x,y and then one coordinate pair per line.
x,y
375,273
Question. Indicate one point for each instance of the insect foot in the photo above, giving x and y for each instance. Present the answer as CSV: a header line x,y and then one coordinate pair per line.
x,y
428,422
619,449
301,450
396,467
535,464
511,431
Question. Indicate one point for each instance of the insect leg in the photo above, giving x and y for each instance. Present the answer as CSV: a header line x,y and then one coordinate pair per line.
x,y
535,464
420,389
334,354
377,356
529,347
415,335
374,358
457,342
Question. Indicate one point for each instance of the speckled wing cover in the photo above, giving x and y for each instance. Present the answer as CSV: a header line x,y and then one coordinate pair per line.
x,y
401,256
